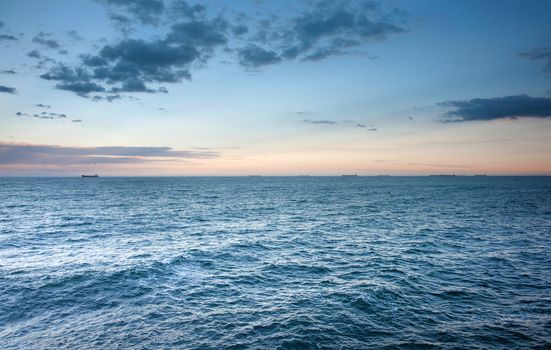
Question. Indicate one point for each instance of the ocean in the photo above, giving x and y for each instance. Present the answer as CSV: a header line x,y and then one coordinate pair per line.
x,y
275,263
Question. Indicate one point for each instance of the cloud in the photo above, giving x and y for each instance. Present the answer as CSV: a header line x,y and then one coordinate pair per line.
x,y
44,40
255,56
131,65
121,23
9,71
359,125
108,98
41,105
8,37
311,121
7,90
21,154
58,115
182,9
76,120
520,106
330,29
145,11
542,53
240,29
43,115
134,65
77,80
1,24
74,35
34,54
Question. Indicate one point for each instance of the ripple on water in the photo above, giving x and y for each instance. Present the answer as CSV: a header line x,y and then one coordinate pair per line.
x,y
284,263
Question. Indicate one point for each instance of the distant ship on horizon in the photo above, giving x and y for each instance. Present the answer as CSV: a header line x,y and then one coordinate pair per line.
x,y
443,175
349,175
95,175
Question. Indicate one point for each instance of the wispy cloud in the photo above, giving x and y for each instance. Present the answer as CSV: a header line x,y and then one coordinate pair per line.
x,y
43,115
45,40
541,53
19,154
319,121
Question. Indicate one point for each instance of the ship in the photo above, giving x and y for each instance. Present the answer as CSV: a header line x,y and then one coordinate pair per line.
x,y
95,175
349,175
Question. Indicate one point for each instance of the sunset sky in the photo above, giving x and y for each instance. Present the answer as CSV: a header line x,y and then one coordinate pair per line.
x,y
152,87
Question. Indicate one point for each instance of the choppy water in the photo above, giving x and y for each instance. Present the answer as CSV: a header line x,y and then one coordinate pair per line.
x,y
260,263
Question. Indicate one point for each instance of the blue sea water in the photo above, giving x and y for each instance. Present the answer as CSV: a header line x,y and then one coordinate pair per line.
x,y
275,262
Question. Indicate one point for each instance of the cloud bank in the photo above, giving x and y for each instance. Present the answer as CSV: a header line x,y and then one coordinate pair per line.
x,y
21,154
192,38
483,109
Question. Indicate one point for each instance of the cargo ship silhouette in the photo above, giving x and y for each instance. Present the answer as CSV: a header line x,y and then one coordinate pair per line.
x,y
95,175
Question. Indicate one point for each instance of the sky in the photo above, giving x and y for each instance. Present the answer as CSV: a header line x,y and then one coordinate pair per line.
x,y
172,87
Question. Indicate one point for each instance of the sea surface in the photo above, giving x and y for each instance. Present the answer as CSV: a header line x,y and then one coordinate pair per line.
x,y
275,263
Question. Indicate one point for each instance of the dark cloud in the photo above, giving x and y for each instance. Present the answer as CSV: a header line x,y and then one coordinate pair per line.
x,y
131,65
145,11
45,40
43,115
81,88
76,120
359,125
9,71
330,29
240,29
41,105
34,54
255,56
521,106
182,9
7,90
311,121
121,22
108,98
372,129
542,53
140,65
19,154
8,37
57,115
77,80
